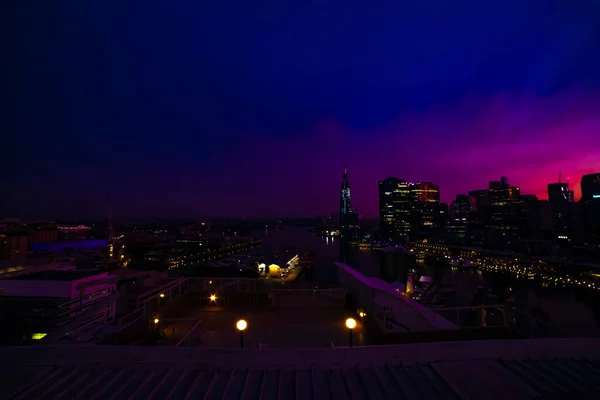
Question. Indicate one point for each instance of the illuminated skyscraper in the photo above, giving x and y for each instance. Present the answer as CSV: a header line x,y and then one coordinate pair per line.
x,y
425,199
408,210
345,202
348,218
394,209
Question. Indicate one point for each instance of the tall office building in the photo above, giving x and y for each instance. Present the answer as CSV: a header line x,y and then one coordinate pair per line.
x,y
458,223
590,187
348,218
394,209
425,199
504,219
559,197
408,210
590,208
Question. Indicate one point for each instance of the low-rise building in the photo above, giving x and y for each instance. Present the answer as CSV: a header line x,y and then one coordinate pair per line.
x,y
54,303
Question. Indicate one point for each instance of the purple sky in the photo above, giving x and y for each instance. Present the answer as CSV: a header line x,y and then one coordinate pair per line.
x,y
212,108
461,148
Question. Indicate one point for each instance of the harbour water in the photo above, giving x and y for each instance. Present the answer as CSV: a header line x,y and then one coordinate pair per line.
x,y
574,310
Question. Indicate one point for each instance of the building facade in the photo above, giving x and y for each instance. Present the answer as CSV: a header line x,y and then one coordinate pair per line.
x,y
504,221
38,304
395,208
408,211
590,187
457,229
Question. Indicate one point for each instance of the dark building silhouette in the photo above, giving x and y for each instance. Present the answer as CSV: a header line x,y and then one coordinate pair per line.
x,y
504,219
590,187
531,217
457,227
425,199
590,209
481,202
559,197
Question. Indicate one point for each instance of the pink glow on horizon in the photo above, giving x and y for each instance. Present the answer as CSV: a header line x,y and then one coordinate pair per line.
x,y
461,148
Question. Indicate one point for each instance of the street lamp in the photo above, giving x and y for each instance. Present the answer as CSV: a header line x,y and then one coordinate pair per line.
x,y
350,324
241,326
213,298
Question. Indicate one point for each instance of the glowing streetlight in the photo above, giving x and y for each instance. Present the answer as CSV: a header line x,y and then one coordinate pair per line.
x,y
350,324
156,321
213,298
241,326
162,295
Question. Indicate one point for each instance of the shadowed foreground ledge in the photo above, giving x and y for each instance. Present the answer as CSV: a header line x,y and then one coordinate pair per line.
x,y
491,369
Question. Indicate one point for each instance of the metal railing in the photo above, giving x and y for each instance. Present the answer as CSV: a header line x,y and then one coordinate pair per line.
x,y
308,297
413,320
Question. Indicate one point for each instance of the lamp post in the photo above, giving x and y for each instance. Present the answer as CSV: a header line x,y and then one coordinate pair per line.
x,y
241,326
161,296
350,324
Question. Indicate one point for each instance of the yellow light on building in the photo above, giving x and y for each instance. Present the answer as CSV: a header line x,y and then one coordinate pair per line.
x,y
274,270
38,336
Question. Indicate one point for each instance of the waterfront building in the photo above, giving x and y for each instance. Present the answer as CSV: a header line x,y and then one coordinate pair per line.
x,y
504,219
425,210
408,211
395,208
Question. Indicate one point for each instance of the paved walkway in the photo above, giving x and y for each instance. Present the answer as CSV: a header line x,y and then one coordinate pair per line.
x,y
273,327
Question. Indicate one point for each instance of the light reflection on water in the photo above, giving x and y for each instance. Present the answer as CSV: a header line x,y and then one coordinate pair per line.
x,y
560,303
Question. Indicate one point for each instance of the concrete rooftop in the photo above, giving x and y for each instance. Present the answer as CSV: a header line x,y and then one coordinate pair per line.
x,y
493,369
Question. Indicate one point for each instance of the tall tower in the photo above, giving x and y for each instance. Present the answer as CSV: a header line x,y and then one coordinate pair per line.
x,y
345,205
111,233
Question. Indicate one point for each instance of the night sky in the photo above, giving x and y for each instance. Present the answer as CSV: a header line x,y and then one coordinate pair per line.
x,y
252,108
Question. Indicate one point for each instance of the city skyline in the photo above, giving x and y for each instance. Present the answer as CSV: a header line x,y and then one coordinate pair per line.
x,y
258,119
